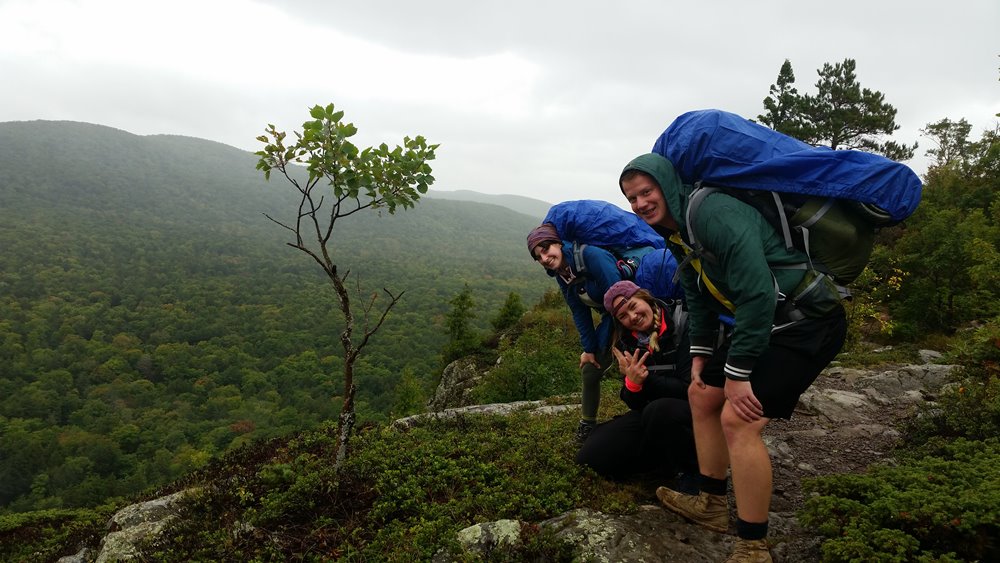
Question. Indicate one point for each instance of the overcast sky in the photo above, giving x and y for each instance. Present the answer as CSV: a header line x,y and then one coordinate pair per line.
x,y
542,99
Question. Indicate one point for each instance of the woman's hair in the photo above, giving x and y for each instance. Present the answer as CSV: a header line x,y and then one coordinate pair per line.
x,y
546,232
654,333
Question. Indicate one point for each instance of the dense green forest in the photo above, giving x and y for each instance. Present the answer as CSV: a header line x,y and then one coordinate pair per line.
x,y
151,317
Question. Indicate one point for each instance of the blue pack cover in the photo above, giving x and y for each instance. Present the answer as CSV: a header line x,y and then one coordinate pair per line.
x,y
600,223
656,274
724,149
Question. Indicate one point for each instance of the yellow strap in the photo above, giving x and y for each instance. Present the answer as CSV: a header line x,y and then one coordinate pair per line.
x,y
696,264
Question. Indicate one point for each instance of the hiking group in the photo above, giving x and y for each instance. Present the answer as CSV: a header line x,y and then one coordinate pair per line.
x,y
724,329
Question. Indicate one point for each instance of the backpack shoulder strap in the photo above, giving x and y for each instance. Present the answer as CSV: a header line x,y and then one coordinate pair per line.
x,y
578,261
691,259
679,318
695,200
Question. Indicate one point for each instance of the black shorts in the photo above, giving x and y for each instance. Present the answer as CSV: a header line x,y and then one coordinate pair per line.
x,y
794,358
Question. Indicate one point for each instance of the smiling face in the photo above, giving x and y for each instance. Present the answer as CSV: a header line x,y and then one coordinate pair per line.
x,y
634,313
550,255
647,201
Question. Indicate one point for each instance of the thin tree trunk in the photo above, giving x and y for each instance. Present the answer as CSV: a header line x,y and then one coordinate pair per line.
x,y
345,425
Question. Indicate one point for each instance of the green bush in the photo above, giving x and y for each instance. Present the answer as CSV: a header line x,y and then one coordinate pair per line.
x,y
536,366
969,408
861,354
878,284
427,488
541,362
940,505
981,348
47,535
402,495
942,501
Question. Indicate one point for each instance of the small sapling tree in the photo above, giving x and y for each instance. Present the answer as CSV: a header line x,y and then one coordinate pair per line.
x,y
335,180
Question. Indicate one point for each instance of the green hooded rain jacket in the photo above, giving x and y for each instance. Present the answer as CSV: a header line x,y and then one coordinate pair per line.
x,y
746,255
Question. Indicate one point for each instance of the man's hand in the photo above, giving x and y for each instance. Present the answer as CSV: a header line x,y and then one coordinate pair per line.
x,y
697,366
740,396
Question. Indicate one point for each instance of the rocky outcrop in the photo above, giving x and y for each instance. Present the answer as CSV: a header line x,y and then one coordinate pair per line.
x,y
650,535
484,538
138,523
457,383
500,409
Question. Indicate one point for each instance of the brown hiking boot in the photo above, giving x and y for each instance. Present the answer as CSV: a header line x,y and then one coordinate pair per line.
x,y
708,511
750,551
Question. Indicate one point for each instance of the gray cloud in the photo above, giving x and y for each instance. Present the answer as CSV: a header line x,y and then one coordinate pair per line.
x,y
607,78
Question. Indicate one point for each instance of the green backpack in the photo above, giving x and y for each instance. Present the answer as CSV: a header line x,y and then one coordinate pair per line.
x,y
837,237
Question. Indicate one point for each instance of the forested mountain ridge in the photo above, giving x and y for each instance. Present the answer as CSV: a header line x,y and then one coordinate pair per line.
x,y
521,204
151,316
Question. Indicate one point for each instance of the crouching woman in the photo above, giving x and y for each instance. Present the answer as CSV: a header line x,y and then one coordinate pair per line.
x,y
654,438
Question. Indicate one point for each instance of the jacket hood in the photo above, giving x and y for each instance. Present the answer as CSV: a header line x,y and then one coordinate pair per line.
x,y
663,172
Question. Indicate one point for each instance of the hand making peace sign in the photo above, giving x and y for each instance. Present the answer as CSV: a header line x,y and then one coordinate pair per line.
x,y
631,365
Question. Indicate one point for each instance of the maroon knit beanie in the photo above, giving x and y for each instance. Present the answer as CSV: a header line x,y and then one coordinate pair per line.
x,y
542,233
624,289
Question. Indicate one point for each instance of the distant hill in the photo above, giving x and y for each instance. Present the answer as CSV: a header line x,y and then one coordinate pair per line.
x,y
529,206
150,311
205,201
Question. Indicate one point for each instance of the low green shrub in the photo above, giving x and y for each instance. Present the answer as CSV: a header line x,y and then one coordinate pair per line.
x,y
979,347
47,535
402,495
435,479
942,501
870,355
540,362
940,504
970,407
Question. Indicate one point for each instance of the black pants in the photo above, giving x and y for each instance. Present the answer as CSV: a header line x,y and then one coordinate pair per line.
x,y
592,376
793,359
656,439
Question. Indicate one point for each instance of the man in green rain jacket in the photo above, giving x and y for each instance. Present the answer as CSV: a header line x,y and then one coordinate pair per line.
x,y
744,272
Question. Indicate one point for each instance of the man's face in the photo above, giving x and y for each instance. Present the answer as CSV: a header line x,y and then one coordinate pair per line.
x,y
647,201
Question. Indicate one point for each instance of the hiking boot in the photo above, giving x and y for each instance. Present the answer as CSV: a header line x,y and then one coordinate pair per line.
x,y
708,511
583,431
750,551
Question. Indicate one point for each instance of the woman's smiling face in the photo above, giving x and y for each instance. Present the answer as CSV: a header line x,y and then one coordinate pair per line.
x,y
634,314
549,255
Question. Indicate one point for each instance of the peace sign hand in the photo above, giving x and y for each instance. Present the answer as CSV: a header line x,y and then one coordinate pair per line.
x,y
632,366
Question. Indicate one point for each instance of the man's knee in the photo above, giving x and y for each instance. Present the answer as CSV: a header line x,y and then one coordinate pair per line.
x,y
738,430
705,400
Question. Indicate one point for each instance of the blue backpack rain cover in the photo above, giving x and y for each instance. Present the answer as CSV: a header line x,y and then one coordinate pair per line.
x,y
590,221
723,149
622,233
656,274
